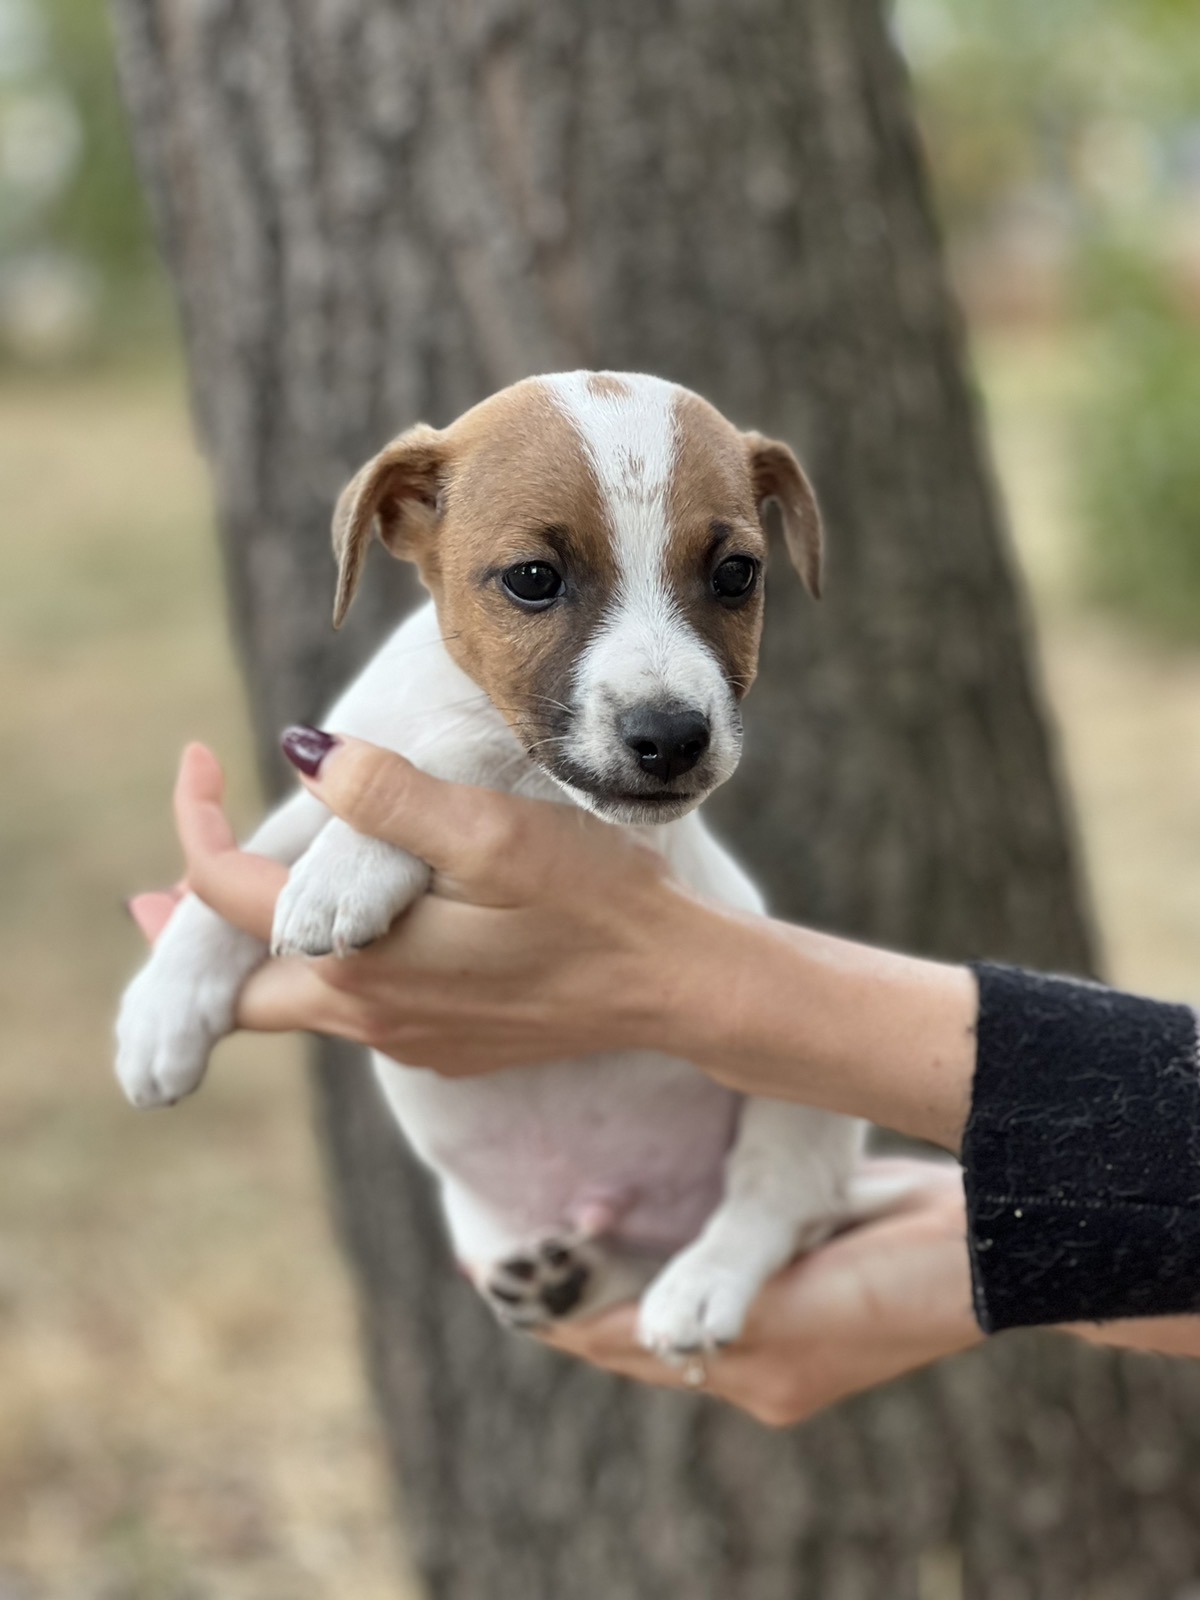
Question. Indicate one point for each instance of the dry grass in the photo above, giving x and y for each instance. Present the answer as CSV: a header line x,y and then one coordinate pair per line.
x,y
181,1412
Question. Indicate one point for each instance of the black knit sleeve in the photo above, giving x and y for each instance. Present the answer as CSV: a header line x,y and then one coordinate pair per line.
x,y
1081,1154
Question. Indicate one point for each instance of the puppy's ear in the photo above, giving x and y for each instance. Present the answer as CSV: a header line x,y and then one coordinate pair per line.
x,y
778,476
395,495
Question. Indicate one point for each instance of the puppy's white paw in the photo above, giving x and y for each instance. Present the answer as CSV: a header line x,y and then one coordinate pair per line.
x,y
345,891
167,1026
181,1003
695,1304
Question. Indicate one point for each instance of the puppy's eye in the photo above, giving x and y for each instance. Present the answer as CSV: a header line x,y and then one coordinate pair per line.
x,y
533,583
734,578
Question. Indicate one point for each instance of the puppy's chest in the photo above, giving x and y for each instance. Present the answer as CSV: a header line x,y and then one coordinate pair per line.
x,y
637,1137
639,1134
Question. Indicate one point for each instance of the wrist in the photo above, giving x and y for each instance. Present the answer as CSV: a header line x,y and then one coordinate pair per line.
x,y
700,999
670,998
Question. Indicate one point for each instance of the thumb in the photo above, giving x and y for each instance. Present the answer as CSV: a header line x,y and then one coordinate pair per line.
x,y
475,838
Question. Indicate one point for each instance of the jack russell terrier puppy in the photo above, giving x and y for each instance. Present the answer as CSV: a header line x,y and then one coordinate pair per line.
x,y
594,546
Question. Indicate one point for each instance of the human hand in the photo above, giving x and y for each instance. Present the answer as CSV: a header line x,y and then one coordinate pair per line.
x,y
885,1298
546,935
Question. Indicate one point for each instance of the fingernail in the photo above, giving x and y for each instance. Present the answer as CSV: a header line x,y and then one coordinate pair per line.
x,y
306,748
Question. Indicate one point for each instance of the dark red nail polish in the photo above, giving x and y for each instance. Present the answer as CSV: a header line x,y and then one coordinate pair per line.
x,y
306,748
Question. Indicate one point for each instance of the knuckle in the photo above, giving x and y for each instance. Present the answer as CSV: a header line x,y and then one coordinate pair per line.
x,y
778,1408
353,1018
501,831
344,975
371,1030
772,1417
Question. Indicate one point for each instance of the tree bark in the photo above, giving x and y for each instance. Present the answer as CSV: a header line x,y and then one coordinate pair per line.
x,y
376,211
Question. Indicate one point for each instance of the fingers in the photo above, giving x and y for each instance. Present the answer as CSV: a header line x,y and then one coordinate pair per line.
x,y
468,834
152,911
288,995
609,1340
198,799
280,997
241,887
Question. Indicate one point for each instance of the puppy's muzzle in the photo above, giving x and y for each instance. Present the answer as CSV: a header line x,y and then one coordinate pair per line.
x,y
665,743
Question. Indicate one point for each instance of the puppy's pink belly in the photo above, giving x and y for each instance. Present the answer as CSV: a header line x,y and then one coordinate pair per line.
x,y
645,1175
657,1209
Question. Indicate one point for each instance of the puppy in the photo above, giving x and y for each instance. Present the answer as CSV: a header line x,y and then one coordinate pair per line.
x,y
594,547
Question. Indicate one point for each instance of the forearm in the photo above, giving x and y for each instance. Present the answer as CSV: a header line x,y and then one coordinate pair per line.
x,y
1167,1336
787,1012
550,936
1074,1105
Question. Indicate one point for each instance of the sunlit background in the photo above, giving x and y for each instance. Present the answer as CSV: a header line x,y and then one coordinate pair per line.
x,y
181,1411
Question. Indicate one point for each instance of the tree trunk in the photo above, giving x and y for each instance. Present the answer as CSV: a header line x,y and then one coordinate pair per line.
x,y
380,210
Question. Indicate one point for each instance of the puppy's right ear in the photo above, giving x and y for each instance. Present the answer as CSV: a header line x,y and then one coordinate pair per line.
x,y
395,495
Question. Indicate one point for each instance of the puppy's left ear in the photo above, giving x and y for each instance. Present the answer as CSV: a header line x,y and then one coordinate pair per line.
x,y
395,495
777,475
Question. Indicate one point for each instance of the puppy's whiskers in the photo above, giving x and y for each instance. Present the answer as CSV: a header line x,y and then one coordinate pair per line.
x,y
559,705
550,738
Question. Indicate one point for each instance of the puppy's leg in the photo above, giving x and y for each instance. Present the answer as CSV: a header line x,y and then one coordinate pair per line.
x,y
345,891
531,1281
787,1180
348,889
183,1000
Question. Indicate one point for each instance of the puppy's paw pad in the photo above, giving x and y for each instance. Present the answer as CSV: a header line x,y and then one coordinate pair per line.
x,y
693,1307
540,1285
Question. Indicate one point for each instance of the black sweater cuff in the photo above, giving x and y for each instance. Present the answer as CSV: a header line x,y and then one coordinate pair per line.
x,y
1081,1154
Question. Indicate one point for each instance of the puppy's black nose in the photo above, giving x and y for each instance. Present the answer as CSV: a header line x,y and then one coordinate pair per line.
x,y
666,743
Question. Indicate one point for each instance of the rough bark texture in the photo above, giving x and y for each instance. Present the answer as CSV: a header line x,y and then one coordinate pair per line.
x,y
379,210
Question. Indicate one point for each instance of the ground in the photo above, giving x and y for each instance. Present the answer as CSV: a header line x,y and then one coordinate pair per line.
x,y
181,1409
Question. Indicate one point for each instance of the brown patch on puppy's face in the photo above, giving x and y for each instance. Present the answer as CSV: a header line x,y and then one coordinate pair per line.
x,y
520,493
716,540
595,547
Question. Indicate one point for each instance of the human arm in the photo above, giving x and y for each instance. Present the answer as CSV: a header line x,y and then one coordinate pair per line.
x,y
882,1300
549,935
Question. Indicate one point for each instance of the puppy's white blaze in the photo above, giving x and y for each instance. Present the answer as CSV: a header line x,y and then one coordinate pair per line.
x,y
627,424
645,647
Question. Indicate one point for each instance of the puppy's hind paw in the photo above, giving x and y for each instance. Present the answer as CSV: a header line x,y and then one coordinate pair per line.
x,y
693,1307
543,1284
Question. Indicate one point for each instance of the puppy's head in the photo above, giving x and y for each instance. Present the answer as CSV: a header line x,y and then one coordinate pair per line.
x,y
595,546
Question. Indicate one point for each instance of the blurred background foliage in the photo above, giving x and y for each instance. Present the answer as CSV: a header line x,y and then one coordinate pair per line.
x,y
1065,145
77,272
1138,441
1065,142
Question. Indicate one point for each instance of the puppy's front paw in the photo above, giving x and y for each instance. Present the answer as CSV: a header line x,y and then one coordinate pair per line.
x,y
180,1004
694,1305
345,891
167,1026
